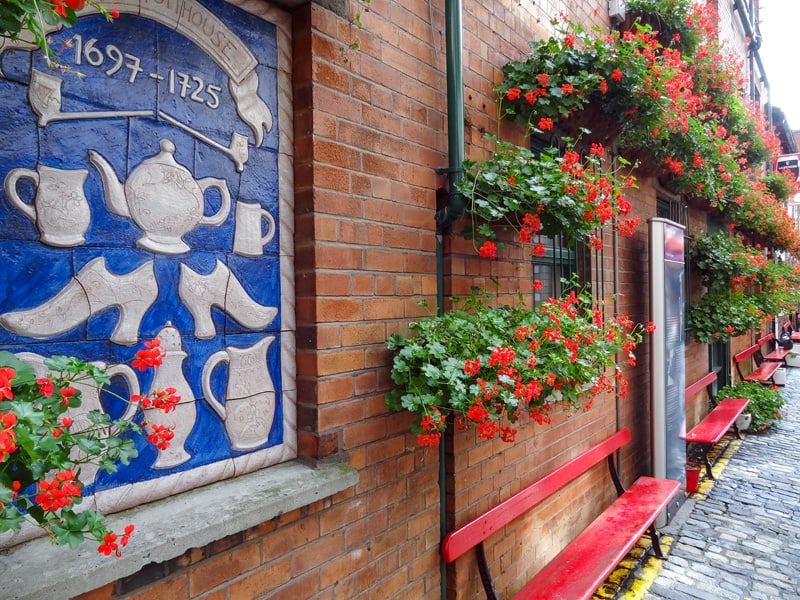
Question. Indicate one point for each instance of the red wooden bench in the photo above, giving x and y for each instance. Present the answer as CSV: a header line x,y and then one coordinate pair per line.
x,y
764,370
713,427
778,354
582,567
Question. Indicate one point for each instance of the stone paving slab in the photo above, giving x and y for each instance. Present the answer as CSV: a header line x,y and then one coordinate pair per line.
x,y
741,539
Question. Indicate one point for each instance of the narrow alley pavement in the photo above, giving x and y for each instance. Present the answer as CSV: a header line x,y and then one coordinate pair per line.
x,y
741,539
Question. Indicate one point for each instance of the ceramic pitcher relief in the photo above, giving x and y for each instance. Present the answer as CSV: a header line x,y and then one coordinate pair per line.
x,y
136,204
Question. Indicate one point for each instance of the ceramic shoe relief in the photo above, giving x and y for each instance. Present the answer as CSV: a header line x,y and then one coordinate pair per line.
x,y
136,206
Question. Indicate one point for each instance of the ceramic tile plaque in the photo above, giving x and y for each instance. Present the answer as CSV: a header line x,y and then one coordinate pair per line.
x,y
150,197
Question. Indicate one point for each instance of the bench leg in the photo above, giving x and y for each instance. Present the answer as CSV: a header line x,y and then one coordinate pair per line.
x,y
656,542
706,448
486,577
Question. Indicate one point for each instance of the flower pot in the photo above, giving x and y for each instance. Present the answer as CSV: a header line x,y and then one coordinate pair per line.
x,y
692,478
793,359
743,421
779,378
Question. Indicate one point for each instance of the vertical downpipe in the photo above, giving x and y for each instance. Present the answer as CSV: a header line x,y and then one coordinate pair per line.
x,y
455,203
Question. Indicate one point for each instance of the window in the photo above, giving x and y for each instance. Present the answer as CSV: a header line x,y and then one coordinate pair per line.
x,y
558,262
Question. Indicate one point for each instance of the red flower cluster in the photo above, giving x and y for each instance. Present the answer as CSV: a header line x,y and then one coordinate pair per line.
x,y
160,435
110,544
6,375
8,438
151,356
62,5
164,400
60,492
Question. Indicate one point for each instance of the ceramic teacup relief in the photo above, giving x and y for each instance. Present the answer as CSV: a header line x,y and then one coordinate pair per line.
x,y
249,407
249,237
163,198
59,209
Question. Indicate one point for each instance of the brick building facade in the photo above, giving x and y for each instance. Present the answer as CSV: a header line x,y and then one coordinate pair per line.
x,y
369,145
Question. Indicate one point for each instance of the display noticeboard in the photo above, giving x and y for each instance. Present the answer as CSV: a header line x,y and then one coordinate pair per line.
x,y
668,358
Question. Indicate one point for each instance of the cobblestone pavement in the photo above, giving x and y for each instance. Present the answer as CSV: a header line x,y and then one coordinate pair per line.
x,y
742,540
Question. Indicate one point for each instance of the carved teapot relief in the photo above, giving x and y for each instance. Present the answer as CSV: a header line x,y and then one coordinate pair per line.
x,y
163,198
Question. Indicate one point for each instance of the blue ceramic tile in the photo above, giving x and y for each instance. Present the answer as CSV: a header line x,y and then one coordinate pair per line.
x,y
260,179
15,65
257,34
33,275
260,280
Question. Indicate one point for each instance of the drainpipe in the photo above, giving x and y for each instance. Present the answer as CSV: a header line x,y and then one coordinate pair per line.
x,y
455,115
454,206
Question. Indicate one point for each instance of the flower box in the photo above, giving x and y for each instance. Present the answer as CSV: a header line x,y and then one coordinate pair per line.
x,y
793,359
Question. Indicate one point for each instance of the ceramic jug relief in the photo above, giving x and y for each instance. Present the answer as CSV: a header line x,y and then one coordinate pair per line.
x,y
182,419
59,209
163,198
90,400
249,407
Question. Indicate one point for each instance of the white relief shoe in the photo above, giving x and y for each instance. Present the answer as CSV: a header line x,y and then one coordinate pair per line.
x,y
91,291
220,288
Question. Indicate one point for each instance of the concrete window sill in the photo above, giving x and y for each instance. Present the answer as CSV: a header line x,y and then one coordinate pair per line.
x,y
167,528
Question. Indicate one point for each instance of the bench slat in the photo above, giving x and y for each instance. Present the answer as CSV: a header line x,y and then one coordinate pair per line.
x,y
779,354
460,540
582,567
764,371
700,384
717,423
767,338
745,353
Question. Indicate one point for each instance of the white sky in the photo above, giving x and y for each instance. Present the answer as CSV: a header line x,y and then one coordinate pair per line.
x,y
780,28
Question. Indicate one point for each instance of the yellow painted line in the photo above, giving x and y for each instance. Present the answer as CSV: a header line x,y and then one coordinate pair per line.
x,y
648,573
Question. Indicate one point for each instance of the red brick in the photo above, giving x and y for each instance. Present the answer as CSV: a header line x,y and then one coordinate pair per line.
x,y
214,571
340,413
262,581
174,588
318,552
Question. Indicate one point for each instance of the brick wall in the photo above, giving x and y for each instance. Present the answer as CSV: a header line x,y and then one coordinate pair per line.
x,y
370,131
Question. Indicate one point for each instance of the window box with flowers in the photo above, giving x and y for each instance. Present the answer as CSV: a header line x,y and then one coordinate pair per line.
x,y
486,365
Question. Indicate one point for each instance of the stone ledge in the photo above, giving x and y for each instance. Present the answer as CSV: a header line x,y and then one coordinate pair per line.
x,y
167,528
